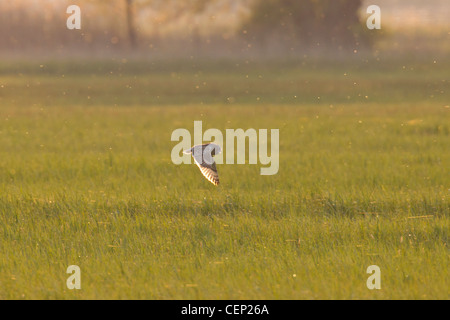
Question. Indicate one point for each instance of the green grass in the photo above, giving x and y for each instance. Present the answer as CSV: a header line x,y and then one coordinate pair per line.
x,y
86,178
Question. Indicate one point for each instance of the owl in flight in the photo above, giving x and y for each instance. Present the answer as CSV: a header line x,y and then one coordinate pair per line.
x,y
203,157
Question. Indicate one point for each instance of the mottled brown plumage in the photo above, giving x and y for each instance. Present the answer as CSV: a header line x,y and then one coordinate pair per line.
x,y
203,157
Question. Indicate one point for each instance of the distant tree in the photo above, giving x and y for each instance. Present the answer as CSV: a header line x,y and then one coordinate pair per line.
x,y
130,23
173,9
306,23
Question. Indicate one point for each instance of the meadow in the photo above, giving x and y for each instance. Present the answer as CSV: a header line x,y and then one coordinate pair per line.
x,y
86,179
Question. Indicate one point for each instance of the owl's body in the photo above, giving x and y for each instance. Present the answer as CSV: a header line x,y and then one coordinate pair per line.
x,y
203,157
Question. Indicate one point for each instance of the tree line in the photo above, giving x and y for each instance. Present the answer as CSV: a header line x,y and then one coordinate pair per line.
x,y
287,25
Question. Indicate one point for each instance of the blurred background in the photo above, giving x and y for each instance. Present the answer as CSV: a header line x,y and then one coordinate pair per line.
x,y
223,28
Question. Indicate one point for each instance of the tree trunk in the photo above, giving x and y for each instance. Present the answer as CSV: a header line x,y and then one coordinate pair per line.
x,y
130,24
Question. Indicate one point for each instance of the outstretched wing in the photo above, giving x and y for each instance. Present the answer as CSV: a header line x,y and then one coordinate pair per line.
x,y
209,171
204,160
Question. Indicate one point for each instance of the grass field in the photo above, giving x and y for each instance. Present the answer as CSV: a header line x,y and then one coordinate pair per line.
x,y
86,179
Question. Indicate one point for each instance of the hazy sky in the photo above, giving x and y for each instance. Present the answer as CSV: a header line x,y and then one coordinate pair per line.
x,y
395,12
410,13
